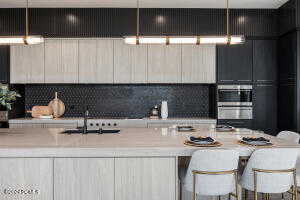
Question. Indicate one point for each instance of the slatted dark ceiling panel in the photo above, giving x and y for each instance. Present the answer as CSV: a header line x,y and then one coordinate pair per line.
x,y
287,17
12,21
114,22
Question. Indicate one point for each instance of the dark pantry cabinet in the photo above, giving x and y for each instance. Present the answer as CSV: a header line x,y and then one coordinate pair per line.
x,y
234,63
255,63
4,64
265,86
264,61
265,108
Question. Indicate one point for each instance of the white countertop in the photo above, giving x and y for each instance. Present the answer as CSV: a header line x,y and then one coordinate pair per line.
x,y
78,120
129,143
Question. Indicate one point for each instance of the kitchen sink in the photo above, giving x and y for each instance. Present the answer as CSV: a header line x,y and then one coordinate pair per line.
x,y
98,131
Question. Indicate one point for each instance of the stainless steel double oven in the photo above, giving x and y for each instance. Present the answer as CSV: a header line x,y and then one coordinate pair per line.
x,y
235,102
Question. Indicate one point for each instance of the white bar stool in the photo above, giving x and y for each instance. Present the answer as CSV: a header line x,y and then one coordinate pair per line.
x,y
289,135
293,137
271,170
212,173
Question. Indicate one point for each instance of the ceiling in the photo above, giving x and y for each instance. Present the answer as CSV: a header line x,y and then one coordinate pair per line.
x,y
144,3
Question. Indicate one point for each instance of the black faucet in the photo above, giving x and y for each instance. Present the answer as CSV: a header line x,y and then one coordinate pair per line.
x,y
85,115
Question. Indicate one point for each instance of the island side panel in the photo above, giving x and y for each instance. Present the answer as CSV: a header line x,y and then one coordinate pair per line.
x,y
84,178
26,178
145,178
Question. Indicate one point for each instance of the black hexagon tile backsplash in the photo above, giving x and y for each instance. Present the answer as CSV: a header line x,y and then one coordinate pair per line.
x,y
133,101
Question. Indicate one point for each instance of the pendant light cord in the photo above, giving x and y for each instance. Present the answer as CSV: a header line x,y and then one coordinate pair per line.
x,y
27,21
228,22
137,22
138,18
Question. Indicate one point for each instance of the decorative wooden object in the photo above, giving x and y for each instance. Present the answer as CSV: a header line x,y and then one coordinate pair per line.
x,y
38,111
58,107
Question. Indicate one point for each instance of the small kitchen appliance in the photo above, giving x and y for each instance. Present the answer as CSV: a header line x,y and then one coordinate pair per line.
x,y
235,102
154,112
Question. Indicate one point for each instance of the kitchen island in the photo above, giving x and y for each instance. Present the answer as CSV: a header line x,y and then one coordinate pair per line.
x,y
139,163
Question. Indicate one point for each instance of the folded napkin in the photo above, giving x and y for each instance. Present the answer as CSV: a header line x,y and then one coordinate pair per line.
x,y
201,139
259,139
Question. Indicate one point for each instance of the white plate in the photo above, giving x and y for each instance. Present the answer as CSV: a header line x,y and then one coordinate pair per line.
x,y
258,143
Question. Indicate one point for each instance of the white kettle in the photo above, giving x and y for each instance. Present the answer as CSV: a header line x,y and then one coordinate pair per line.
x,y
164,110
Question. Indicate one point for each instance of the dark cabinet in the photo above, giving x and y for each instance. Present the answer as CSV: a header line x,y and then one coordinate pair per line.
x,y
264,61
234,63
4,64
265,108
287,112
287,62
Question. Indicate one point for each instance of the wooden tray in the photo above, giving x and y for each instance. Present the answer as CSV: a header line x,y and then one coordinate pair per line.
x,y
253,145
216,144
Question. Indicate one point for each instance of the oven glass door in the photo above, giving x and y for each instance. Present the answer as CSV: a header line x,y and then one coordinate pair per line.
x,y
235,112
232,97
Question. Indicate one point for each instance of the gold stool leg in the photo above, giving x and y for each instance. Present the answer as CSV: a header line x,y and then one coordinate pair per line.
x,y
255,186
194,188
295,185
236,185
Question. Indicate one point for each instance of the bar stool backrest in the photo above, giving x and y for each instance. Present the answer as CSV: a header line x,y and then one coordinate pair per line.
x,y
289,135
270,159
216,160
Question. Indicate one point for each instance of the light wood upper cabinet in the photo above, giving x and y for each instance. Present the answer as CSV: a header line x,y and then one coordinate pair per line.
x,y
130,63
27,64
199,64
164,64
84,178
111,61
96,61
26,174
61,61
145,179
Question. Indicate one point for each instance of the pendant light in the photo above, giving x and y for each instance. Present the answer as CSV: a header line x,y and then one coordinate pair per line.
x,y
197,40
27,39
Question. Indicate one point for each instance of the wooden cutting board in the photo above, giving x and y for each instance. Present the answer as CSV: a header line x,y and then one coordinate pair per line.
x,y
38,111
57,106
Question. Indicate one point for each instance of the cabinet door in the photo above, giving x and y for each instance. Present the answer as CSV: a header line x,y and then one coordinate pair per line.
x,y
235,63
84,178
66,125
69,61
264,61
199,64
95,61
4,64
287,107
29,125
27,64
145,179
265,108
164,64
130,63
61,61
26,178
